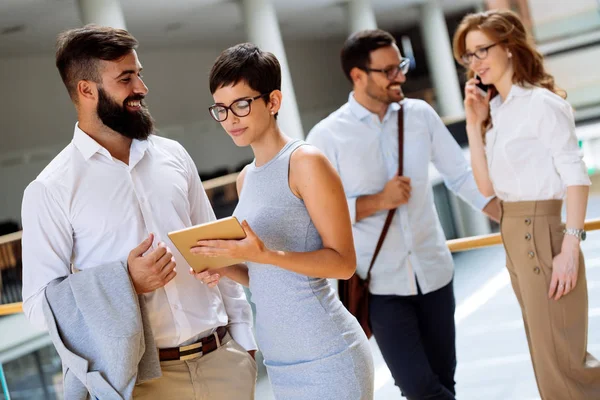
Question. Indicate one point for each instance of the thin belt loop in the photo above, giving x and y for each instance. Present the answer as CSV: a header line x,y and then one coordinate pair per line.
x,y
217,339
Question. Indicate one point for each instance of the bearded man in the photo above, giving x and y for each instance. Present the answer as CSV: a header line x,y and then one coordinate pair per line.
x,y
112,195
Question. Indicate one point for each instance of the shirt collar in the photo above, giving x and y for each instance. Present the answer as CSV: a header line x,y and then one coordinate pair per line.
x,y
137,151
88,147
515,91
361,112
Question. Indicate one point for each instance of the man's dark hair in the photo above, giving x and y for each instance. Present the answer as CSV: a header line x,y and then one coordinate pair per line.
x,y
246,62
357,49
78,52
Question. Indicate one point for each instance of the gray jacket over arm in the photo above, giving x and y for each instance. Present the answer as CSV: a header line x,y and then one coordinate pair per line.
x,y
101,331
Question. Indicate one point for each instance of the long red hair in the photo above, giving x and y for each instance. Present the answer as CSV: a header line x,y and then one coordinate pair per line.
x,y
505,27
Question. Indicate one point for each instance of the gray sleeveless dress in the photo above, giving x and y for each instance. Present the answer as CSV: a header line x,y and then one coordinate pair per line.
x,y
313,348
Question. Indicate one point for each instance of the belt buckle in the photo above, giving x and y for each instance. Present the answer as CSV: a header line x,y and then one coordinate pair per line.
x,y
191,347
197,345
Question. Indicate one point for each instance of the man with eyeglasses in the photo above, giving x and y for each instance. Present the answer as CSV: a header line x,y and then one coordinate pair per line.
x,y
411,295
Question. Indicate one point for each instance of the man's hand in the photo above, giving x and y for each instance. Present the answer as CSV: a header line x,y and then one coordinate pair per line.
x,y
153,270
395,193
492,209
209,277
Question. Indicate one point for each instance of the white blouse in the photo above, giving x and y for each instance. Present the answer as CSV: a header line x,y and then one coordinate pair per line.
x,y
532,150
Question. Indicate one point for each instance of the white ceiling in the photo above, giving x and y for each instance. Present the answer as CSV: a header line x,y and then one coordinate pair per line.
x,y
162,23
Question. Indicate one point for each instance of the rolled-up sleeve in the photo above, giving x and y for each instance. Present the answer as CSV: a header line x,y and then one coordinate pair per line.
x,y
557,131
47,245
352,208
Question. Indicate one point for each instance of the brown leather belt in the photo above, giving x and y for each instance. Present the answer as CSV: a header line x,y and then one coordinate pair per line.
x,y
203,346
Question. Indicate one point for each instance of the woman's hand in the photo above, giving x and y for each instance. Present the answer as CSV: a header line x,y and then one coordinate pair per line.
x,y
250,248
565,268
476,105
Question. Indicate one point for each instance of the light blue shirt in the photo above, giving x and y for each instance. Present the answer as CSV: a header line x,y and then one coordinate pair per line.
x,y
364,151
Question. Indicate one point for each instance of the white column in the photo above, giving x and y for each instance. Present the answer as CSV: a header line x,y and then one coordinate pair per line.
x,y
437,44
262,29
102,12
360,16
438,48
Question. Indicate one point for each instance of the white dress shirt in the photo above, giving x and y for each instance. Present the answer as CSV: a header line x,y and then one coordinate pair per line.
x,y
89,209
364,151
532,149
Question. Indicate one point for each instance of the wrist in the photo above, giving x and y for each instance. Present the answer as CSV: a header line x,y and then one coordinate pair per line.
x,y
579,233
380,201
266,256
473,128
136,288
226,271
570,243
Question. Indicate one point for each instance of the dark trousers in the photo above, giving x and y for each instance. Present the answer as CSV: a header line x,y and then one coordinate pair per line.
x,y
416,335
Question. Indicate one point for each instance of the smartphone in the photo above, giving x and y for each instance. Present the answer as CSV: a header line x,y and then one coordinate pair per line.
x,y
483,88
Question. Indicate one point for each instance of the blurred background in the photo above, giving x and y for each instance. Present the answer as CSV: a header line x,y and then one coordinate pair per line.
x,y
180,39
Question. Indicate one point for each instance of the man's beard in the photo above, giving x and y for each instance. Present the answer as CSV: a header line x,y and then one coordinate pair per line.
x,y
385,97
134,125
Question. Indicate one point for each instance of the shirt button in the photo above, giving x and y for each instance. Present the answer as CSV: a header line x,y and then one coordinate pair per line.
x,y
528,236
176,306
531,254
527,221
536,270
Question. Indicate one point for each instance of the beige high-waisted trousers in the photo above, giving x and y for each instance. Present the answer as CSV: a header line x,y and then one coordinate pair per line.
x,y
556,330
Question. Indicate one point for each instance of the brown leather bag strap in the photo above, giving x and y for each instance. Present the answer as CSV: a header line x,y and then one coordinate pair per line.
x,y
400,140
390,215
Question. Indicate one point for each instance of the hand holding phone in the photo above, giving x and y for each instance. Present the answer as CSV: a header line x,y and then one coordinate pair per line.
x,y
476,101
483,88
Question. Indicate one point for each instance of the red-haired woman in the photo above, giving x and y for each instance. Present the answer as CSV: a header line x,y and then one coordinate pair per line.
x,y
524,150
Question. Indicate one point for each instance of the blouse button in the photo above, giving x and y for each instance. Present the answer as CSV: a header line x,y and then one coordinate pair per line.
x,y
531,254
528,236
536,270
527,221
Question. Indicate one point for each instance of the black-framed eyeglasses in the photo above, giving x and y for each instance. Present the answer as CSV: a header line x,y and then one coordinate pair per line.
x,y
392,72
481,53
239,108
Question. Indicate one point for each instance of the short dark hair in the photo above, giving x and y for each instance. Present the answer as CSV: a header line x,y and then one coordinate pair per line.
x,y
357,49
246,62
79,50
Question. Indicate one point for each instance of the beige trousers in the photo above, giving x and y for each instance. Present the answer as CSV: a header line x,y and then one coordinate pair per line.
x,y
228,373
556,330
